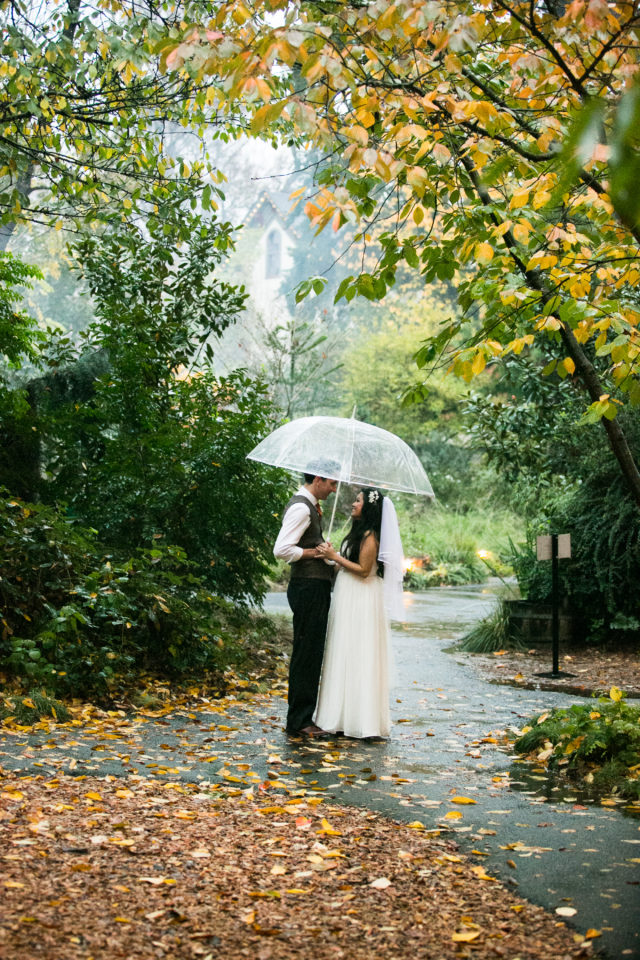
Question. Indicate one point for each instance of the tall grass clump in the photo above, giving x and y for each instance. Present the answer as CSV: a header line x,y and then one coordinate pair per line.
x,y
495,632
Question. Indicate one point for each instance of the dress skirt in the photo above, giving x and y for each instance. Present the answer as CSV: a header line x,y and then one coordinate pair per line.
x,y
353,697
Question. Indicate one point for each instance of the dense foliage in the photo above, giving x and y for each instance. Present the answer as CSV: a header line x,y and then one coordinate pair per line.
x,y
600,580
76,621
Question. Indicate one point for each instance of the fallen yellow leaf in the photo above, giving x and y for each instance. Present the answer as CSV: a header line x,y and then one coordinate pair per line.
x,y
481,875
328,829
465,936
453,815
462,800
591,934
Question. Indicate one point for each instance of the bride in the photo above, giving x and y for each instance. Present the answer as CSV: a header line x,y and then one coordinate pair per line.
x,y
354,687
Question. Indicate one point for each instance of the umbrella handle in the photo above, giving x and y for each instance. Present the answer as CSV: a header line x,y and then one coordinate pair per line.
x,y
333,512
335,499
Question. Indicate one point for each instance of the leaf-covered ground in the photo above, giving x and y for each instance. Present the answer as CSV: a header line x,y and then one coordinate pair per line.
x,y
261,864
105,867
588,670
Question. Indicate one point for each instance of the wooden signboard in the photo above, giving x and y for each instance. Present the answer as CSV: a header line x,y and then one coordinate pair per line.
x,y
544,548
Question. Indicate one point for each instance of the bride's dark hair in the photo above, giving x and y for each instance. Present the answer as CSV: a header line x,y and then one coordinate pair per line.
x,y
369,521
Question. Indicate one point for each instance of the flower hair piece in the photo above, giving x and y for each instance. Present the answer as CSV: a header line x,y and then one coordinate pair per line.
x,y
374,496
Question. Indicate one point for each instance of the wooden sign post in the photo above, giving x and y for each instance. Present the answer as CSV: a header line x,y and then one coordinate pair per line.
x,y
554,547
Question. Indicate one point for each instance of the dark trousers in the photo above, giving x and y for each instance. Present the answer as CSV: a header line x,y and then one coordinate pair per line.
x,y
309,600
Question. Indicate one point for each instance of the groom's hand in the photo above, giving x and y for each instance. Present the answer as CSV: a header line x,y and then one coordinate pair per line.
x,y
310,553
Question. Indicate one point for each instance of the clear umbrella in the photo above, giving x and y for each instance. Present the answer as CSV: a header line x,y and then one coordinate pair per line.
x,y
347,450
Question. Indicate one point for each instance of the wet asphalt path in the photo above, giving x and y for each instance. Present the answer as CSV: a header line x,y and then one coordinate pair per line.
x,y
555,847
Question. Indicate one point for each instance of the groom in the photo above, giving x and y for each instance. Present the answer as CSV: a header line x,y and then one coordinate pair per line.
x,y
309,593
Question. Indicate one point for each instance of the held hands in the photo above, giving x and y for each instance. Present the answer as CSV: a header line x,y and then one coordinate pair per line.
x,y
326,551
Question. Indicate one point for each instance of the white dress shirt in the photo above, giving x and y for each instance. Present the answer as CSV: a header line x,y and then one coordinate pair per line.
x,y
296,521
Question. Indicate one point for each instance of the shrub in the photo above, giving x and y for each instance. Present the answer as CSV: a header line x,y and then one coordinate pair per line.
x,y
596,742
76,622
28,710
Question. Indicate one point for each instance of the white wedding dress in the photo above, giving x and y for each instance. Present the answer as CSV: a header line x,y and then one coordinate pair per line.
x,y
354,686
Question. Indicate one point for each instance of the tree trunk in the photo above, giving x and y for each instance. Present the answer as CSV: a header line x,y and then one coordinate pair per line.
x,y
617,440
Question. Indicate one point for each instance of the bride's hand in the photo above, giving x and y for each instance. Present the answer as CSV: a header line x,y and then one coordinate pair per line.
x,y
326,551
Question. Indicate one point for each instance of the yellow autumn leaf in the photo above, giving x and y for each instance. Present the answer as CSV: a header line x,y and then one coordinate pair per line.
x,y
359,134
465,936
266,115
484,252
263,89
540,198
328,829
481,875
479,363
519,199
462,800
453,815
591,934
522,230
92,795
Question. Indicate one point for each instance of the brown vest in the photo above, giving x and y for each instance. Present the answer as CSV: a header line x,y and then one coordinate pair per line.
x,y
311,569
